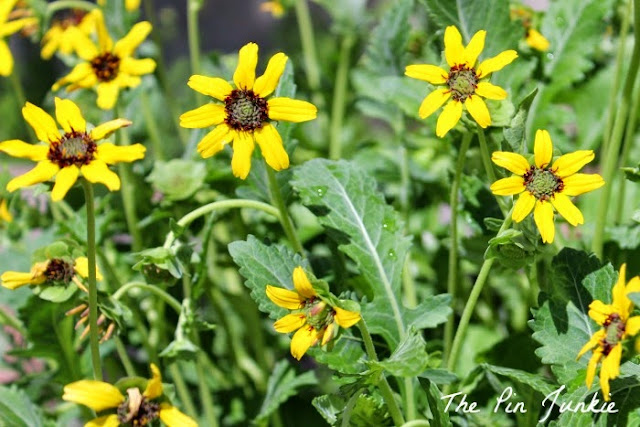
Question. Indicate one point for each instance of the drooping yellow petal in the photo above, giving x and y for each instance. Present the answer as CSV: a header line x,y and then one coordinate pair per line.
x,y
580,183
291,110
537,40
633,285
571,163
41,122
107,128
126,45
272,147
523,206
112,154
43,171
65,178
594,341
154,385
543,149
600,311
346,318
490,91
302,340
211,86
245,73
215,141
496,63
242,149
97,395
632,326
302,284
85,47
592,366
512,162
453,49
105,421
543,217
429,73
621,303
172,417
478,110
15,279
267,83
15,25
433,101
328,333
202,117
448,118
20,149
284,297
69,116
5,8
105,43
474,48
80,72
81,266
567,209
610,369
97,171
108,94
290,322
137,67
6,59
508,186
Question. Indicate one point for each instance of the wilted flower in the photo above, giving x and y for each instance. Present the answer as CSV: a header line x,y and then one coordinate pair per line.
x,y
55,270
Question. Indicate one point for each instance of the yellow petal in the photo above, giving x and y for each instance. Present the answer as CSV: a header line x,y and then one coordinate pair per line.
x,y
490,91
126,45
172,417
508,186
290,322
131,5
43,171
591,367
137,67
448,118
6,59
15,279
271,147
211,86
215,141
523,206
430,73
85,48
633,285
8,28
202,117
600,311
512,162
537,40
478,110
245,73
302,340
453,49
346,318
5,215
81,266
543,149
105,129
632,326
105,421
20,149
302,284
622,304
567,209
284,298
433,101
154,385
97,395
79,73
474,48
291,110
108,94
242,149
580,183
97,171
543,217
69,116
5,8
65,178
496,63
112,154
328,333
267,83
41,122
104,40
571,163
610,369
593,342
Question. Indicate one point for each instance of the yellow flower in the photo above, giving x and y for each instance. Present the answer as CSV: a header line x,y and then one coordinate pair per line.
x,y
63,34
131,408
313,319
109,66
6,29
246,114
616,326
537,40
545,186
130,5
49,271
464,82
5,215
273,7
533,38
70,151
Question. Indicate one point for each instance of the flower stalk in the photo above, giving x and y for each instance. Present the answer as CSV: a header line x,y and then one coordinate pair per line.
x,y
285,219
339,98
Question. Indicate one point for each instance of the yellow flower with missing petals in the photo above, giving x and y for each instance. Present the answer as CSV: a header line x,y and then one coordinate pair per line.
x,y
70,151
63,33
246,114
109,66
313,318
52,270
543,186
464,83
273,7
7,28
606,344
5,215
130,406
537,40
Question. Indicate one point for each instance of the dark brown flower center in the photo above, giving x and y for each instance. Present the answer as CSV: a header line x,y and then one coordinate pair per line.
x,y
74,148
542,183
59,270
68,18
614,327
136,410
106,66
462,81
245,110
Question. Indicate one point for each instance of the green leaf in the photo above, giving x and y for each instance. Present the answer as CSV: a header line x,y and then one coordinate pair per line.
x,y
16,409
346,356
409,358
177,179
515,134
436,404
632,174
439,376
535,381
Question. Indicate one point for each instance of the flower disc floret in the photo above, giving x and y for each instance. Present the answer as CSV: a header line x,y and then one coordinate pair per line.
x,y
245,111
106,66
74,148
59,270
463,82
542,183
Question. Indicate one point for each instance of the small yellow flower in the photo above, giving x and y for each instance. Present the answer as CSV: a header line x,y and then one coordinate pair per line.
x,y
130,5
50,271
313,319
273,7
70,151
464,83
532,36
64,30
5,215
246,114
537,40
6,29
109,66
545,186
616,326
132,407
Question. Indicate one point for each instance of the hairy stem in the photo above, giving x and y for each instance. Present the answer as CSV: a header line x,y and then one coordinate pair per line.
x,y
285,219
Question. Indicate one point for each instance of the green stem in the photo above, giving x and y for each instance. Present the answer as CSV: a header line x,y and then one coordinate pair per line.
x,y
471,302
285,219
220,205
153,289
152,127
193,8
453,233
21,99
205,394
124,357
613,152
183,391
312,69
346,414
8,319
93,288
488,166
417,423
385,389
339,98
